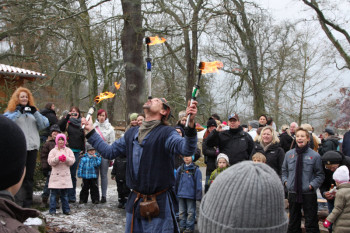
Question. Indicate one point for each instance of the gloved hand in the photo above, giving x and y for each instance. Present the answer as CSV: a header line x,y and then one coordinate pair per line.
x,y
32,109
327,223
62,158
20,108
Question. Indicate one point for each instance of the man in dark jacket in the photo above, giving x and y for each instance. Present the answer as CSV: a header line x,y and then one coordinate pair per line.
x,y
210,153
12,171
285,138
149,150
329,142
235,143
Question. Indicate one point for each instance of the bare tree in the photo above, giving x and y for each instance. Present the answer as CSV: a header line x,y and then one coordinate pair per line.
x,y
331,28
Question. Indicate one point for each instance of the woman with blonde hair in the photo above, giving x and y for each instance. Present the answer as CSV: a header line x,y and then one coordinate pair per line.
x,y
21,109
268,145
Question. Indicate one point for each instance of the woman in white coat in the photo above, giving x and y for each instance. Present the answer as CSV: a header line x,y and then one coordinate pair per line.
x,y
106,131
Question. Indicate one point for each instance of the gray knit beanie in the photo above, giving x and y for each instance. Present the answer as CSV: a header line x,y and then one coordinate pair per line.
x,y
247,197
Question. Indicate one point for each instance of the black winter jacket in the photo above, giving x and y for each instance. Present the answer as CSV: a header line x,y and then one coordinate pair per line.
x,y
235,143
210,157
76,136
331,143
328,180
51,116
285,141
119,168
274,156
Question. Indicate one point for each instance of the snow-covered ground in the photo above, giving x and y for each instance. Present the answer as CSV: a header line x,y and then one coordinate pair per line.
x,y
97,218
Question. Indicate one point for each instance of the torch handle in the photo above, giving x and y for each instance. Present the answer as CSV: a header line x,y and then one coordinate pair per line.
x,y
90,112
189,115
149,81
194,96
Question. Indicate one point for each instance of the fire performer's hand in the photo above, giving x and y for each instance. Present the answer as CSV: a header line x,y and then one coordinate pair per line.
x,y
88,124
191,109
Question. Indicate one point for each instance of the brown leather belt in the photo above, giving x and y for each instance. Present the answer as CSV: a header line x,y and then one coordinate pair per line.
x,y
140,195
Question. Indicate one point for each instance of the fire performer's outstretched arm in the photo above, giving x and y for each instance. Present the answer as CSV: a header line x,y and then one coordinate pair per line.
x,y
107,151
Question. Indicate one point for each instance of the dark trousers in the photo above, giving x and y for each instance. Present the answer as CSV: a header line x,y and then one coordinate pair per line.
x,y
24,197
310,208
123,191
73,173
89,184
46,191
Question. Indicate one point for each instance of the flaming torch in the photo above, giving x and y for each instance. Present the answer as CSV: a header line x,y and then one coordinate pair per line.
x,y
204,68
151,41
98,99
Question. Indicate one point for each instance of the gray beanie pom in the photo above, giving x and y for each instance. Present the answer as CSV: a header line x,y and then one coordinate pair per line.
x,y
247,197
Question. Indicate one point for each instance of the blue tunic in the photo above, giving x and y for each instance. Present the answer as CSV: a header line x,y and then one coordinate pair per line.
x,y
150,169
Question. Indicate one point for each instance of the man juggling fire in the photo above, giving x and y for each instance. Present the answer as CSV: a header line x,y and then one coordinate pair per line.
x,y
150,165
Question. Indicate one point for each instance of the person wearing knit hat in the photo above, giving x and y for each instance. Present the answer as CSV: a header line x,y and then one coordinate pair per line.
x,y
222,163
247,198
61,158
331,160
133,121
12,171
340,214
188,189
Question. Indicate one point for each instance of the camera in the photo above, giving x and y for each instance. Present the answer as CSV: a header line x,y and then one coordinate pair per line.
x,y
74,114
27,109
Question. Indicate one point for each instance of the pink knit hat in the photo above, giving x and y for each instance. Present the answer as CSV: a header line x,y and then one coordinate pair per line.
x,y
341,175
61,135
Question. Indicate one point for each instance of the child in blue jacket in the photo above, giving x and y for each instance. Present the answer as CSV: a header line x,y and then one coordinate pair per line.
x,y
188,189
87,170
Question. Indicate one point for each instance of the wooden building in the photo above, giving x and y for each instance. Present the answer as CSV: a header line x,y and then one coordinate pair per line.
x,y
12,77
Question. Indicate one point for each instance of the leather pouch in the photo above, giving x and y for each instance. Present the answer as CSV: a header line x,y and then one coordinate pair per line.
x,y
149,207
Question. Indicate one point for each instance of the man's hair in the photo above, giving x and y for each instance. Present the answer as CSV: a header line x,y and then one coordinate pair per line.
x,y
296,124
259,156
302,129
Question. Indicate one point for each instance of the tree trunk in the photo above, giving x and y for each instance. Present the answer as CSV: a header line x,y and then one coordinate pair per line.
x,y
132,38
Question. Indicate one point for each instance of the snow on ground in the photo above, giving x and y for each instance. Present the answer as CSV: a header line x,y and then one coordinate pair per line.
x,y
97,218
90,217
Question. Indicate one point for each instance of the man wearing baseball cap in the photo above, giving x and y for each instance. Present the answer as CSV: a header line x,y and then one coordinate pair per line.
x,y
234,142
330,142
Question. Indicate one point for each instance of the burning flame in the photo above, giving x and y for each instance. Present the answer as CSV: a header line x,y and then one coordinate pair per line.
x,y
104,95
117,86
211,67
156,40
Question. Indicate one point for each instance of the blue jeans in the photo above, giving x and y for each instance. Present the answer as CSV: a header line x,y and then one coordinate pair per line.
x,y
64,200
103,170
46,191
187,210
73,173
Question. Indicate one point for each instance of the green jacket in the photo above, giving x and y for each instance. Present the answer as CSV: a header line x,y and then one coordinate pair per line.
x,y
215,173
341,213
